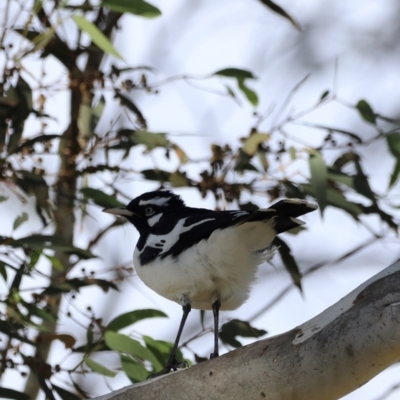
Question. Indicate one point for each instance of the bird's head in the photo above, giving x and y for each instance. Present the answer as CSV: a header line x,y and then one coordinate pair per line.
x,y
147,209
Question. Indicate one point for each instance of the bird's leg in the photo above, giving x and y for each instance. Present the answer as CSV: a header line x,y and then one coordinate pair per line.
x,y
215,307
172,363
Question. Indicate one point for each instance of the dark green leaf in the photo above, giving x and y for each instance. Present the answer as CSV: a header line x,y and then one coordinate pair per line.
x,y
76,284
55,262
374,209
3,271
97,112
250,94
279,10
293,191
20,220
341,177
161,349
324,95
125,344
235,73
65,394
100,369
236,327
46,241
361,183
129,318
3,198
156,175
393,142
395,174
136,7
149,139
6,393
135,371
366,111
318,178
100,198
243,162
11,330
130,105
344,159
288,261
98,37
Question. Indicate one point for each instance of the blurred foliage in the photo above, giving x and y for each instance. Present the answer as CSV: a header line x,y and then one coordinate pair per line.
x,y
257,165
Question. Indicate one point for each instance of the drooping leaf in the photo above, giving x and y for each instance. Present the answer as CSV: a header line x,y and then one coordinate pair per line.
x,y
279,10
136,7
344,159
341,177
130,105
179,179
250,94
393,142
55,262
395,174
236,327
150,139
288,261
131,317
97,112
135,371
319,177
6,393
366,111
361,183
65,394
251,144
97,37
20,220
324,95
183,158
125,344
100,198
100,369
76,284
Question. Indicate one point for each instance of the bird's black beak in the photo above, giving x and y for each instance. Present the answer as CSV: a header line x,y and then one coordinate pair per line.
x,y
122,211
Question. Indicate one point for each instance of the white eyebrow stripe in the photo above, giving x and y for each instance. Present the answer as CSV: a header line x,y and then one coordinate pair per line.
x,y
158,201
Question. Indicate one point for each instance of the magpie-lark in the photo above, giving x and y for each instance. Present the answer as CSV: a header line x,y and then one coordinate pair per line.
x,y
201,258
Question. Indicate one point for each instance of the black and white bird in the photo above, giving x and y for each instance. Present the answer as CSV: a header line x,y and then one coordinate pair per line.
x,y
201,258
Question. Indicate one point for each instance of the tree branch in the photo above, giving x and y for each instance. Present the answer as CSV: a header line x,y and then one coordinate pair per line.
x,y
325,358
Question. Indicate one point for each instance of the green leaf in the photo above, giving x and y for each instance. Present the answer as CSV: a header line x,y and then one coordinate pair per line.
x,y
149,139
131,317
288,261
236,327
136,7
125,344
6,393
324,95
366,111
179,179
100,369
395,174
250,146
3,271
55,262
97,37
250,94
100,198
135,371
20,220
161,349
279,10
393,142
341,177
130,105
156,175
3,198
65,394
243,162
319,177
235,73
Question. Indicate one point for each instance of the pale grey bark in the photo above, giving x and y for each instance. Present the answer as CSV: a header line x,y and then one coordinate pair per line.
x,y
327,357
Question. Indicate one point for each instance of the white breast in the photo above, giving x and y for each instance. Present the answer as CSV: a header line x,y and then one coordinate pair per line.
x,y
222,267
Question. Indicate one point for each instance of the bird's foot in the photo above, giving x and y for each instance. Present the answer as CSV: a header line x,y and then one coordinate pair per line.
x,y
174,365
214,355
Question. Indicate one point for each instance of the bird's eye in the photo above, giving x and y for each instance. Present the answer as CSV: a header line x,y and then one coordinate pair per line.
x,y
148,210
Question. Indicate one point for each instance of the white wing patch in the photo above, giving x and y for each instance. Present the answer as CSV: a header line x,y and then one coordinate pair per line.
x,y
169,239
237,214
157,201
